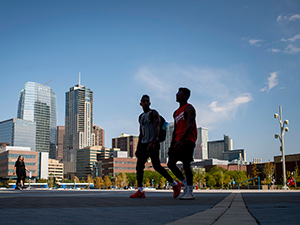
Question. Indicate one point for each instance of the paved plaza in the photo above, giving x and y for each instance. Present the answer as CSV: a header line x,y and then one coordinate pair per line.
x,y
115,207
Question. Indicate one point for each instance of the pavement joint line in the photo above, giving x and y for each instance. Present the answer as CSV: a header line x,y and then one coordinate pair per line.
x,y
231,210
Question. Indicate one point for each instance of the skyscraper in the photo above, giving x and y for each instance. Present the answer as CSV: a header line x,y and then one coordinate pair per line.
x,y
78,124
37,103
18,132
201,151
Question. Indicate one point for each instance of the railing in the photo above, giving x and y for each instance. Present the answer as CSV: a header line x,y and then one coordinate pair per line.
x,y
248,182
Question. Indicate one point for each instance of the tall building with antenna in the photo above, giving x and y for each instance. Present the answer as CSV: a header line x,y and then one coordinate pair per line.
x,y
78,124
37,103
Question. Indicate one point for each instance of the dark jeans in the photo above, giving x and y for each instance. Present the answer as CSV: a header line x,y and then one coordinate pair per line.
x,y
142,155
185,155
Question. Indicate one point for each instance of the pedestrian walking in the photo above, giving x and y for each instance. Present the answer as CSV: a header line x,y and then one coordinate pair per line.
x,y
183,142
149,146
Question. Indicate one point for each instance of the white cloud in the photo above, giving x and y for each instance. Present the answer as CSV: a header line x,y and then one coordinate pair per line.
x,y
272,82
289,18
291,49
294,17
216,93
255,42
293,39
273,50
234,104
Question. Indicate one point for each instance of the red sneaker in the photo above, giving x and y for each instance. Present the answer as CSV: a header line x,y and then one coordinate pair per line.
x,y
138,194
177,189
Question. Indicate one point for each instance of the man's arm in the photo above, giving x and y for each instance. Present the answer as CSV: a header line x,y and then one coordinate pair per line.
x,y
155,120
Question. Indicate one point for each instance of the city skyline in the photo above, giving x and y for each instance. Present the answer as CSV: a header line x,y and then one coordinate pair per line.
x,y
240,59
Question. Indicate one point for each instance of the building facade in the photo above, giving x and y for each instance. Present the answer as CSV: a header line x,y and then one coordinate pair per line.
x,y
78,124
60,142
18,132
201,148
37,103
126,143
99,136
55,169
86,159
164,146
216,148
9,156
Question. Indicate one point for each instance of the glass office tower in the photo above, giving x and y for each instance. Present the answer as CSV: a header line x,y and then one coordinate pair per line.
x,y
37,103
18,132
78,124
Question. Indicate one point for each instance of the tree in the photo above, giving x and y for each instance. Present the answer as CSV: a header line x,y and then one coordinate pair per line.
x,y
162,182
147,184
6,183
89,179
99,182
82,181
255,172
107,182
42,181
76,179
124,181
269,170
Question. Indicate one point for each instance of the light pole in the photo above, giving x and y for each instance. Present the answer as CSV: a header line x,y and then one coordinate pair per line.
x,y
281,139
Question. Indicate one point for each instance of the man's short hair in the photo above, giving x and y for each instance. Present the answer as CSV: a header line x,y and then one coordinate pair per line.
x,y
185,91
145,96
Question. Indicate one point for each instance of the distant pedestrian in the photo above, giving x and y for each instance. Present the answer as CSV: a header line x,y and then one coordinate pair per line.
x,y
148,146
20,170
183,141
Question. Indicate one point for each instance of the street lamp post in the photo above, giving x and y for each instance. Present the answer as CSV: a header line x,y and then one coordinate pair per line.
x,y
281,139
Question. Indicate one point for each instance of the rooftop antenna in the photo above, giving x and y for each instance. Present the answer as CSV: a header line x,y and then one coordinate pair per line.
x,y
47,82
79,80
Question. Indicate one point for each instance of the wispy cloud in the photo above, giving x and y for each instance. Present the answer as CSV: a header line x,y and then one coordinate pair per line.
x,y
255,42
291,49
293,39
272,82
288,18
217,94
242,99
294,17
273,50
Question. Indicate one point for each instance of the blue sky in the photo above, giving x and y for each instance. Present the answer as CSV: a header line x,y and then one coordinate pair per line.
x,y
241,60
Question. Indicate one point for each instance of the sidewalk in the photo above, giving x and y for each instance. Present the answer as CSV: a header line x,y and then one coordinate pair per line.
x,y
115,207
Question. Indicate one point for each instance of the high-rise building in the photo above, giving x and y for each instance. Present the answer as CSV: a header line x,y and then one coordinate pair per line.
x,y
164,146
37,103
18,132
78,124
99,136
60,142
200,151
86,158
216,148
126,143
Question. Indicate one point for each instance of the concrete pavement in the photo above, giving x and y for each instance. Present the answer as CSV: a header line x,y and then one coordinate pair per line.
x,y
115,207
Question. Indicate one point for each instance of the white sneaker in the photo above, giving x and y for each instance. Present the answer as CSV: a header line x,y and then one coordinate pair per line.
x,y
188,196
